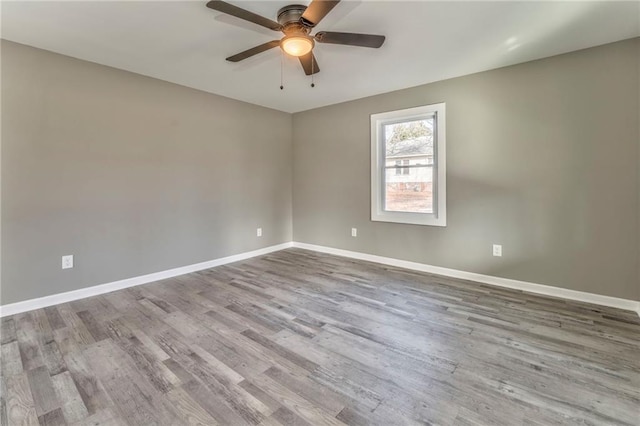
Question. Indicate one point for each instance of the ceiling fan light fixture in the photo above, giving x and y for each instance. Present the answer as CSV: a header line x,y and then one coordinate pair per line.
x,y
297,45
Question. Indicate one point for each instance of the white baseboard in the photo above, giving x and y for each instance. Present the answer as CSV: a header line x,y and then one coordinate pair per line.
x,y
54,299
629,305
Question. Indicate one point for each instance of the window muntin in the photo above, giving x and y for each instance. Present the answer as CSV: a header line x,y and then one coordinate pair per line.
x,y
408,168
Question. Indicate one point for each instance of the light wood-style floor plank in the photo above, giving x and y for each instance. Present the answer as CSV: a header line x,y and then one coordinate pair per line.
x,y
302,338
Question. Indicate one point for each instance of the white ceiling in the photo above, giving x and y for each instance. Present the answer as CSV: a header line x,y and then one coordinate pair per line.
x,y
186,43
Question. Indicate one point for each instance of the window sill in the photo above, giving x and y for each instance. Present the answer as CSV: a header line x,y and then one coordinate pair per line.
x,y
409,218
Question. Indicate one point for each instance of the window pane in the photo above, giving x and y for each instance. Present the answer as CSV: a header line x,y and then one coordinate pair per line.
x,y
409,139
408,160
411,192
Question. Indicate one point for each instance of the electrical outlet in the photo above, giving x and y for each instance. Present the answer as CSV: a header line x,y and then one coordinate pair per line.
x,y
67,261
497,250
354,232
259,232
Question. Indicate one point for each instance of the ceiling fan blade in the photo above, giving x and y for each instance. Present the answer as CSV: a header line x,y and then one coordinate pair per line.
x,y
350,39
309,64
317,10
238,12
253,51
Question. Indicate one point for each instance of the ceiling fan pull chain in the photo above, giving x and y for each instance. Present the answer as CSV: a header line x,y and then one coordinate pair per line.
x,y
281,70
312,69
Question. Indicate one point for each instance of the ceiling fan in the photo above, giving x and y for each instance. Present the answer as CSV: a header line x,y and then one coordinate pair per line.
x,y
296,22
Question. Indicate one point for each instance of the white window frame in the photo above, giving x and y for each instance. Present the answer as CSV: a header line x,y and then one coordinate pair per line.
x,y
378,213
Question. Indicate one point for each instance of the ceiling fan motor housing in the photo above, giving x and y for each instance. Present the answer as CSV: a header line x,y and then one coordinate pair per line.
x,y
289,17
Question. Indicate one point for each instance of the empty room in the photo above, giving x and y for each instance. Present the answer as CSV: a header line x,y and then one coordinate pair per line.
x,y
350,212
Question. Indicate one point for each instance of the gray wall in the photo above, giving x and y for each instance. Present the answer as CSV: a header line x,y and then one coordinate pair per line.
x,y
542,158
131,175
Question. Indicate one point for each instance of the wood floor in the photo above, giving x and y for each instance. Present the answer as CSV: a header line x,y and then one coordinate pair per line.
x,y
301,338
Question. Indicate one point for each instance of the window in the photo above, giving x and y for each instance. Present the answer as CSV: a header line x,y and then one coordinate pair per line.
x,y
402,167
408,170
405,169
